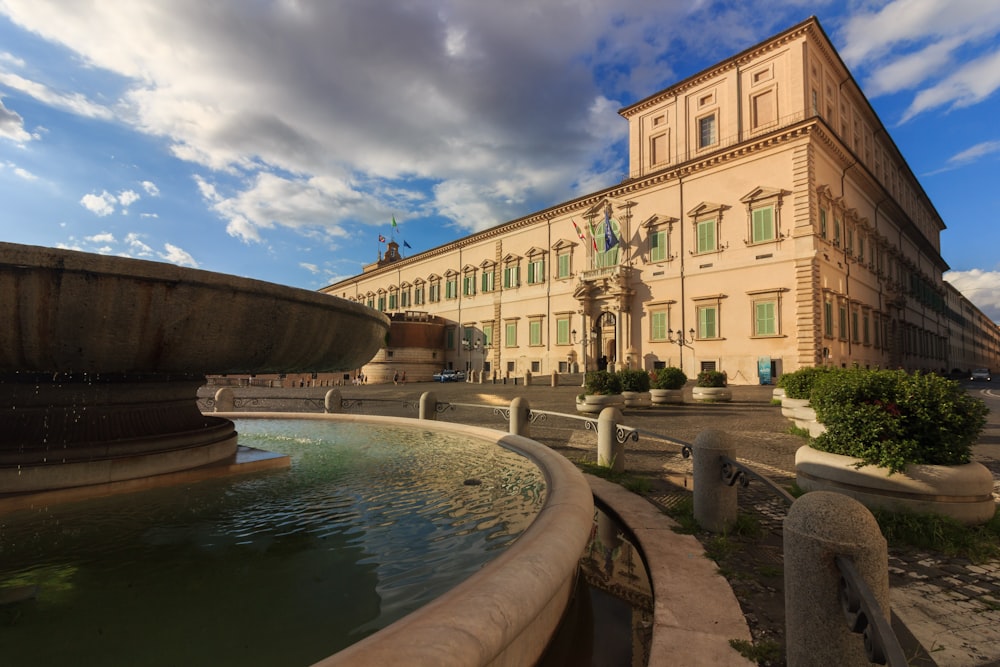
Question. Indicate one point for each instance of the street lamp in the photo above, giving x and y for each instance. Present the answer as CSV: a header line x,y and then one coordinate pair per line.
x,y
470,346
678,337
592,336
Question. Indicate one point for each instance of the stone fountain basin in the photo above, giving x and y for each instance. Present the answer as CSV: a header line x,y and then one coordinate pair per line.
x,y
101,359
72,312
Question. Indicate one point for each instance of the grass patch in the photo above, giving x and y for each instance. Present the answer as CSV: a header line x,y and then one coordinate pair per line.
x,y
765,651
801,432
633,483
775,401
942,534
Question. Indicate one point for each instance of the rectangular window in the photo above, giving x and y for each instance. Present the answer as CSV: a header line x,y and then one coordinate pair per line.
x,y
450,338
418,296
511,276
405,299
708,322
371,303
435,292
451,288
706,131
764,110
861,249
866,328
536,271
658,325
706,236
562,331
836,232
469,284
828,319
381,303
854,327
392,301
763,225
487,281
510,335
658,149
565,265
765,318
487,335
822,223
535,332
658,246
842,322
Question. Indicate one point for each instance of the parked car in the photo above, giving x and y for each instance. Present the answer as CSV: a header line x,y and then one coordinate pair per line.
x,y
981,374
449,375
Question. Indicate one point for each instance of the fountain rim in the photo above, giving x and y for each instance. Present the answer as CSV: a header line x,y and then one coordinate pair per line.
x,y
506,612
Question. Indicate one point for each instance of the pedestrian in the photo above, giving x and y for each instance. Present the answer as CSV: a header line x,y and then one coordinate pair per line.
x,y
403,378
395,377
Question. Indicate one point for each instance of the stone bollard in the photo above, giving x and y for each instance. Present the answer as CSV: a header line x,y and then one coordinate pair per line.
x,y
715,507
428,405
224,400
331,402
520,412
527,378
610,452
555,378
819,526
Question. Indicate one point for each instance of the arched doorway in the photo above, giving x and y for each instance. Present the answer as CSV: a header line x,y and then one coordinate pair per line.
x,y
605,325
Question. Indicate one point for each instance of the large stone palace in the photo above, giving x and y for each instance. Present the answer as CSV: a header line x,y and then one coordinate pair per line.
x,y
768,222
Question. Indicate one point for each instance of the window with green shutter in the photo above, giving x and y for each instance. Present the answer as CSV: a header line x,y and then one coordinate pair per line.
x,y
658,325
564,264
562,331
511,276
765,320
763,225
510,339
828,318
535,332
658,246
706,236
708,322
487,280
536,271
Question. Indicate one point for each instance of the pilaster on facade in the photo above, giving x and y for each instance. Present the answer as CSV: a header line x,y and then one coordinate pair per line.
x,y
808,300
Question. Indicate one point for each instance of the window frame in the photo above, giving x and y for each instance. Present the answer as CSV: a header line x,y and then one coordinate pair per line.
x,y
709,121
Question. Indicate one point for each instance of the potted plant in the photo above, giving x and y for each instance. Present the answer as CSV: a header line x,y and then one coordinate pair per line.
x,y
667,385
896,440
797,388
710,387
635,388
601,389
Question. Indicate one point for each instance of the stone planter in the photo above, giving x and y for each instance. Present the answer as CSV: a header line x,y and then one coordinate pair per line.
x,y
666,396
711,394
637,399
963,492
593,403
790,405
778,393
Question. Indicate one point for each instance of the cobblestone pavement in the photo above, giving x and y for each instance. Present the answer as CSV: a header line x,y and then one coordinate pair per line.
x,y
950,606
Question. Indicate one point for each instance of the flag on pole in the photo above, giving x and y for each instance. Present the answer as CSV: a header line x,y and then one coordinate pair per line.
x,y
405,244
381,239
394,226
610,237
578,232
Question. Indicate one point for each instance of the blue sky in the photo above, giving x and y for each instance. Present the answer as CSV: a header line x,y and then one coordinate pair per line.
x,y
276,139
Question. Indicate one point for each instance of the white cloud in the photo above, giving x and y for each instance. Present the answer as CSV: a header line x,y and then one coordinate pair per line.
x,y
910,44
980,287
72,102
151,188
176,255
137,248
12,125
311,268
25,174
975,152
103,237
101,205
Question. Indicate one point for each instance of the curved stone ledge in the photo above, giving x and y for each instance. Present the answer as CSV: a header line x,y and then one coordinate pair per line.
x,y
506,613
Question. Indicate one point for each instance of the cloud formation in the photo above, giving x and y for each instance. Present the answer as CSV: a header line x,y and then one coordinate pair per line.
x,y
980,287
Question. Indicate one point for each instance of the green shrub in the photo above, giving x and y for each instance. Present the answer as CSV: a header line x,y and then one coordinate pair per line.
x,y
668,378
711,379
799,384
891,418
603,382
634,379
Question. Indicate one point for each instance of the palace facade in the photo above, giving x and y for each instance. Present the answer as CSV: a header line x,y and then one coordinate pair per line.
x,y
768,222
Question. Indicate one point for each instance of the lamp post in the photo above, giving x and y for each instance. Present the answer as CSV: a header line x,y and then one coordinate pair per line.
x,y
470,346
583,341
678,337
